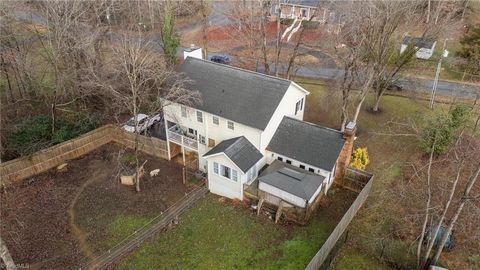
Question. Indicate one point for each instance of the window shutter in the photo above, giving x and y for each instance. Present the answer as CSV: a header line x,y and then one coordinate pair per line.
x,y
234,175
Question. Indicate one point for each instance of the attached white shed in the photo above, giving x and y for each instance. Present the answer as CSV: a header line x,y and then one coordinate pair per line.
x,y
231,164
283,182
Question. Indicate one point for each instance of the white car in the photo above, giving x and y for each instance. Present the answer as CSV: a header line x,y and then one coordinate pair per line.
x,y
144,122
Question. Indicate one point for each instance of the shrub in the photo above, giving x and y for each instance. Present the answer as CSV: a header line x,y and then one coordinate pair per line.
x,y
35,133
286,22
440,131
310,24
360,158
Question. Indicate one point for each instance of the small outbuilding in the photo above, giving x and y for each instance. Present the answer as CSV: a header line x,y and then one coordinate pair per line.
x,y
424,46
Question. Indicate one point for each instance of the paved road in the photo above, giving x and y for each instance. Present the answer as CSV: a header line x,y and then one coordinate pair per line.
x,y
219,19
445,88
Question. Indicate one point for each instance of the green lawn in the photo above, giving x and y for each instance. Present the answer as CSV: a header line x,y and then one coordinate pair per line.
x,y
388,157
214,234
350,258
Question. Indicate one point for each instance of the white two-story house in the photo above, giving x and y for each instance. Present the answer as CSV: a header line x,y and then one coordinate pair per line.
x,y
231,130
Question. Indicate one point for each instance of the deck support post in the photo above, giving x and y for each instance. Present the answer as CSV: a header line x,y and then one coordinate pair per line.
x,y
279,212
259,206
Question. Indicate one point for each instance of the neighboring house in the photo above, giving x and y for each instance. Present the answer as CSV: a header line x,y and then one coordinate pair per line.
x,y
245,122
424,47
303,10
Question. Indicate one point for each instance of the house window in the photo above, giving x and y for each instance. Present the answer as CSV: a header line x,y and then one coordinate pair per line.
x,y
201,139
231,125
234,175
215,120
302,166
225,171
184,111
280,158
215,167
192,131
311,170
289,161
299,106
200,116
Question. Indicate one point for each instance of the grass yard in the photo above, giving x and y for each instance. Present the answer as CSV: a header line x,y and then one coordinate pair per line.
x,y
389,155
222,234
350,258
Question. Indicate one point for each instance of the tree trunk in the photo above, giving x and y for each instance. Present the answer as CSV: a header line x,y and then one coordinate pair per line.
x,y
53,108
277,44
427,207
428,11
264,41
376,106
458,211
205,28
4,67
6,257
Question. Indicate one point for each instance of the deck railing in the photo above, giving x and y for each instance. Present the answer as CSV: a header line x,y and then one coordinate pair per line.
x,y
175,135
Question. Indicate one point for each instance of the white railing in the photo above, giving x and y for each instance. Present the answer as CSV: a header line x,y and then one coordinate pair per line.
x,y
176,137
191,143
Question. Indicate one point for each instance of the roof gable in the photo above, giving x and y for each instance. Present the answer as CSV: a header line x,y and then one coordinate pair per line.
x,y
308,143
239,150
243,96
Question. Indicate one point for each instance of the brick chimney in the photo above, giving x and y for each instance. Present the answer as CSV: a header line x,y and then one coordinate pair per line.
x,y
346,153
192,51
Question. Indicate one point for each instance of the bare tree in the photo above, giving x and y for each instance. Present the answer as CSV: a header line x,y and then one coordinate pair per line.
x,y
439,189
138,80
205,10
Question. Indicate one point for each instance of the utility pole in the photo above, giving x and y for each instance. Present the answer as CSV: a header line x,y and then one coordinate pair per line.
x,y
437,75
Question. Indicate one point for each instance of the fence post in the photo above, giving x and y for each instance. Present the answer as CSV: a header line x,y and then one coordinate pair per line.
x,y
184,175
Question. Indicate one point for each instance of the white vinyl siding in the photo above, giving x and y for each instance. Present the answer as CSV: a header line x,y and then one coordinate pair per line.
x,y
252,173
184,111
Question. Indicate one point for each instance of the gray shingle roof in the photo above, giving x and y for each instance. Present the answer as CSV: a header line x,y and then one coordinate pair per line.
x,y
243,96
239,150
419,42
291,179
308,143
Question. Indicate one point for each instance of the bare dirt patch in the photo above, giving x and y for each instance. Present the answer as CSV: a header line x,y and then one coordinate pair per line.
x,y
45,218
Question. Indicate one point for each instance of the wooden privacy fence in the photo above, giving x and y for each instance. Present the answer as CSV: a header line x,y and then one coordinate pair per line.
x,y
327,247
46,159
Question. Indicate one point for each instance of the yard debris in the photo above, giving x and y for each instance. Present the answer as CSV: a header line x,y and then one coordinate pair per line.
x,y
129,180
154,172
62,167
